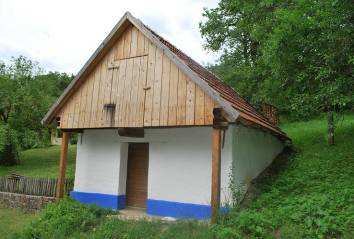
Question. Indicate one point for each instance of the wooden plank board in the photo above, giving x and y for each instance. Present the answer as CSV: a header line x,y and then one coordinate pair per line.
x,y
165,90
119,48
134,42
120,93
141,43
89,96
127,91
95,93
181,98
76,98
149,84
199,107
172,104
208,113
68,114
190,102
82,105
127,42
132,121
141,91
157,89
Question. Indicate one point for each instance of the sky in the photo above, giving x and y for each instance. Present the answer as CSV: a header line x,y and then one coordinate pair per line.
x,y
61,35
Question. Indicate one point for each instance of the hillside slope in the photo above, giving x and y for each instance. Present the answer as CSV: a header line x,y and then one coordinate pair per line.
x,y
312,197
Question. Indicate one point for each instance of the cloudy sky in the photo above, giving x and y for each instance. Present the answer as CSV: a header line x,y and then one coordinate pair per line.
x,y
61,35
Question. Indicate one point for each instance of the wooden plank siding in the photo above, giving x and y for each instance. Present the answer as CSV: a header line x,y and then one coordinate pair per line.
x,y
146,87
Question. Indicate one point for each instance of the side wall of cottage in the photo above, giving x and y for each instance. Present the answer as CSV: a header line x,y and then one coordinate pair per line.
x,y
252,152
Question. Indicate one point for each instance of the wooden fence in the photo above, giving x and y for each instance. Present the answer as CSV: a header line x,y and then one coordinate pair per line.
x,y
33,186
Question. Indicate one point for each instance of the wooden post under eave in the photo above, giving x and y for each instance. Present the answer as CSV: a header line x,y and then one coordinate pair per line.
x,y
62,164
215,173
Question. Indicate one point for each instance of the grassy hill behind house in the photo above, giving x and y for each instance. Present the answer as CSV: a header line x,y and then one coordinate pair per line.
x,y
312,197
42,162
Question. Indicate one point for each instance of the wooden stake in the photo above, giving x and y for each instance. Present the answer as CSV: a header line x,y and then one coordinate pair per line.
x,y
62,164
215,174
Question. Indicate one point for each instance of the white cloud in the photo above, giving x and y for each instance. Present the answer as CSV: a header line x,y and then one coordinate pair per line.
x,y
62,35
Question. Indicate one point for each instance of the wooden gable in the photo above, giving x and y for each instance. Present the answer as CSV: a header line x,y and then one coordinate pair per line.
x,y
136,85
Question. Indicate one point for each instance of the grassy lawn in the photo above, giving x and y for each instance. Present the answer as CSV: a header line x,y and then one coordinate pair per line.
x,y
42,162
13,220
311,198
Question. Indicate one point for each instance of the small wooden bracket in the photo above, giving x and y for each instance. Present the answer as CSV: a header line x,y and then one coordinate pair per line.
x,y
220,119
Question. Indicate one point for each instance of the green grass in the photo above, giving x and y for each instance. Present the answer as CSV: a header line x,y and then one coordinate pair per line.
x,y
13,220
312,197
42,162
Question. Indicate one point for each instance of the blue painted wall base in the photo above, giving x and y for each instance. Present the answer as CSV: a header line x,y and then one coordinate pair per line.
x,y
153,207
178,209
102,200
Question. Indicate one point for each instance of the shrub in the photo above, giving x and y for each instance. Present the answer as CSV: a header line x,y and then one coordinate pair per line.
x,y
8,147
29,139
63,219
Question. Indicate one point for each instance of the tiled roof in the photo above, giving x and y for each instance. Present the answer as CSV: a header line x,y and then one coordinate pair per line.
x,y
247,113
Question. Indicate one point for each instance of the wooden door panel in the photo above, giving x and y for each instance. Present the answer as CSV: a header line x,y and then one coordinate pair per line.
x,y
137,176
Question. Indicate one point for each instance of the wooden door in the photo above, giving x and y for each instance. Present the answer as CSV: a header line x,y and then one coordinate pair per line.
x,y
137,175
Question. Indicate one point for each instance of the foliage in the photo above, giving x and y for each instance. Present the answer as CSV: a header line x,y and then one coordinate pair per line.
x,y
42,163
26,93
8,146
62,219
296,55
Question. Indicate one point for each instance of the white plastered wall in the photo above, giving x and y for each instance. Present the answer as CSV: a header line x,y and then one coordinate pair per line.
x,y
98,162
253,151
179,163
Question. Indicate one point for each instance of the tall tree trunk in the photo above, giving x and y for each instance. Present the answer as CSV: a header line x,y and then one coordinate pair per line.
x,y
330,122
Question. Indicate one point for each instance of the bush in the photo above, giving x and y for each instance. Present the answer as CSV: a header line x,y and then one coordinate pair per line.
x,y
63,219
8,146
29,139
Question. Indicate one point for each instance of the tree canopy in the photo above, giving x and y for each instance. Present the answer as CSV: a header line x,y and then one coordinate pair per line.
x,y
296,55
26,93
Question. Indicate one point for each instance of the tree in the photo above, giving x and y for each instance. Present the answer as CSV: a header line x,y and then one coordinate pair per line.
x,y
303,53
26,93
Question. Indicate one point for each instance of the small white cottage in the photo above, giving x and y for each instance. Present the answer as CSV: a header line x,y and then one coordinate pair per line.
x,y
157,130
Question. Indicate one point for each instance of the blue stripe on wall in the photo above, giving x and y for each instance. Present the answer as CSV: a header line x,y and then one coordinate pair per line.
x,y
178,209
102,200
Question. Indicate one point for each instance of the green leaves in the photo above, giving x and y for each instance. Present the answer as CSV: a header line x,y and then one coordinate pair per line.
x,y
26,94
297,55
